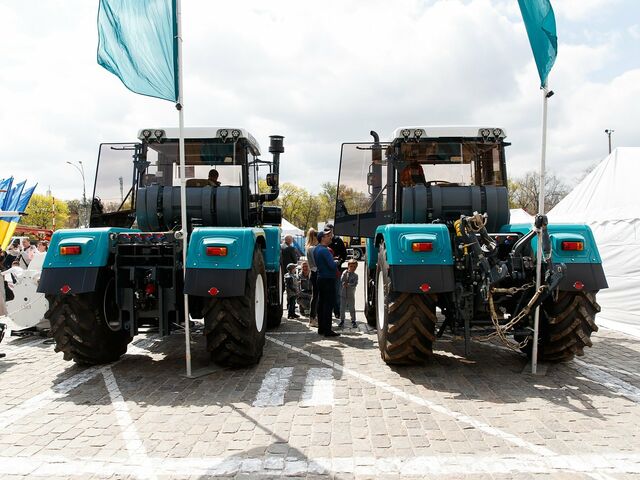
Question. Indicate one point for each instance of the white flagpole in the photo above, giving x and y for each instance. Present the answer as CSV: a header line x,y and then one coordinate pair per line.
x,y
536,320
183,191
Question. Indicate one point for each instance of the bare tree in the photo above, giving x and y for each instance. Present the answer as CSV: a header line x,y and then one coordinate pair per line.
x,y
524,192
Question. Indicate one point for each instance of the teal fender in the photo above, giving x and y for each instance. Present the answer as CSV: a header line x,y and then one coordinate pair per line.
x,y
272,250
584,267
223,276
418,272
78,273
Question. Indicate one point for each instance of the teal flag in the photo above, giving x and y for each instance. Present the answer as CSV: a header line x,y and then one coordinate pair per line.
x,y
138,42
541,29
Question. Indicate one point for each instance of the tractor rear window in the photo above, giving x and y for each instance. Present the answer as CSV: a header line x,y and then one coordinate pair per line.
x,y
462,163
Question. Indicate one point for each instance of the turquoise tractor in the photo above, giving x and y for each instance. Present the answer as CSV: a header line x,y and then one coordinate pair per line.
x,y
442,256
126,271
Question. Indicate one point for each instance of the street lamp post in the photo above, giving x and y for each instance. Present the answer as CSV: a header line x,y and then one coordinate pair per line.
x,y
608,131
80,169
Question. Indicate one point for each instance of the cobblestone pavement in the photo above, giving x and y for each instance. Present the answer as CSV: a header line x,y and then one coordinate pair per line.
x,y
318,408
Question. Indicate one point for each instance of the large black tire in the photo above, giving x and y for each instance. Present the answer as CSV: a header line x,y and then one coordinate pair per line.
x,y
274,310
406,321
370,297
235,326
80,325
569,323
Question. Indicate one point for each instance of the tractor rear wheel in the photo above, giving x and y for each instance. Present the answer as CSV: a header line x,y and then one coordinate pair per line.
x,y
406,321
86,326
570,321
274,310
235,326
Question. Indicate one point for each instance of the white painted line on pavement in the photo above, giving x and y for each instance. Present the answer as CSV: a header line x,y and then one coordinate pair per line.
x,y
56,391
38,401
318,387
607,380
596,465
135,447
488,429
273,387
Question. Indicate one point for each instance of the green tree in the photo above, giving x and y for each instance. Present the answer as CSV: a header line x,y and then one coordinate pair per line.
x,y
40,212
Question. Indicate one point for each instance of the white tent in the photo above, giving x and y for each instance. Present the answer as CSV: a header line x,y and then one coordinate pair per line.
x,y
608,201
518,215
289,228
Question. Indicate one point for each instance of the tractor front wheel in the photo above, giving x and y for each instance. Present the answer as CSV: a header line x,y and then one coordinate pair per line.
x,y
406,321
235,326
86,326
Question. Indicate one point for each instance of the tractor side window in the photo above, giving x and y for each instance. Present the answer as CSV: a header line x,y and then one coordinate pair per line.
x,y
114,172
363,194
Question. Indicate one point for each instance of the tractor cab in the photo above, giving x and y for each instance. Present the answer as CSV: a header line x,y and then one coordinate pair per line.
x,y
222,172
424,174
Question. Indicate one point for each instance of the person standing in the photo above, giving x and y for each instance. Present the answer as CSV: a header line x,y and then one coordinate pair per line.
x,y
348,282
340,253
288,253
312,241
327,272
28,251
304,295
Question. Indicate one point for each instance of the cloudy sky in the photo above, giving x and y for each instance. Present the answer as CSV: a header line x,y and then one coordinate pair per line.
x,y
322,73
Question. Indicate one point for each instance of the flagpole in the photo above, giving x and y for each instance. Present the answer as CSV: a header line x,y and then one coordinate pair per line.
x,y
536,318
183,190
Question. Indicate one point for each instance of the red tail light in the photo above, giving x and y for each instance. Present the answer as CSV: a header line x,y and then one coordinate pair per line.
x,y
425,287
70,250
422,246
213,291
576,246
217,251
578,285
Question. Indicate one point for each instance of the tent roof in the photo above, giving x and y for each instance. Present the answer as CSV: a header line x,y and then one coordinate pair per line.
x,y
518,215
290,228
608,193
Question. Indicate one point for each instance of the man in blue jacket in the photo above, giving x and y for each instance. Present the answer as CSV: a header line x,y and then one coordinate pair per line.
x,y
327,277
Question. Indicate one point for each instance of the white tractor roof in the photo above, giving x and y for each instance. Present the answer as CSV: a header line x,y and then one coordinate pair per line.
x,y
206,132
443,131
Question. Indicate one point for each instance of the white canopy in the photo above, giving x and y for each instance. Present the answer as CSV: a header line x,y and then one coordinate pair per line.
x,y
289,228
518,215
607,200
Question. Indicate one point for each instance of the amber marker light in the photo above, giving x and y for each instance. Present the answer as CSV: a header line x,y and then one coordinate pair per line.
x,y
217,251
573,246
422,246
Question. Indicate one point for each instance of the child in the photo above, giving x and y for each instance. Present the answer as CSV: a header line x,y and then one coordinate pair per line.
x,y
292,287
348,284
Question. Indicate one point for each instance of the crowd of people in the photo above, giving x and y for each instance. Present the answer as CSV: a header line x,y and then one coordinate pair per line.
x,y
13,261
318,282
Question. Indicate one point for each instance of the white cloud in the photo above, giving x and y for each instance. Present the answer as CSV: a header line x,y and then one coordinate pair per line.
x,y
320,74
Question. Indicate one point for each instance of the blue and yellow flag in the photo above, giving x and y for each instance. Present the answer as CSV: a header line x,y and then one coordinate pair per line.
x,y
23,202
138,42
5,189
11,204
541,29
